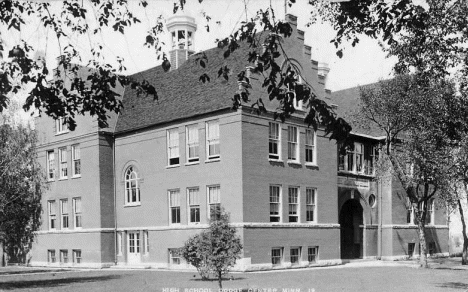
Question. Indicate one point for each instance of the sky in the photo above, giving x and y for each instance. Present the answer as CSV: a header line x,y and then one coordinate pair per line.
x,y
363,64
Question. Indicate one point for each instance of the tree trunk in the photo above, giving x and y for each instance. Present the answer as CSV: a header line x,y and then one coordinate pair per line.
x,y
465,236
220,280
422,243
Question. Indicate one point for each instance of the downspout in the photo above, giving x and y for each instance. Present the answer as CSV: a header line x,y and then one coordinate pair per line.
x,y
379,237
114,177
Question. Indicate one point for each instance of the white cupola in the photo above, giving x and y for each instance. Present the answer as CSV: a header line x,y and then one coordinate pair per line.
x,y
182,28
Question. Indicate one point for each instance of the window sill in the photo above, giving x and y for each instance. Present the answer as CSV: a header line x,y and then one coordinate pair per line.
x,y
50,180
173,166
63,178
213,160
275,160
61,133
192,163
132,205
76,176
77,228
311,164
294,162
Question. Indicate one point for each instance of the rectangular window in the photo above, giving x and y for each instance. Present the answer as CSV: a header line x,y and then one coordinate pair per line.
x,y
76,161
134,242
64,213
77,212
212,140
276,256
60,126
173,146
369,159
174,256
192,144
311,205
275,204
411,247
51,256
295,255
312,254
350,160
77,256
214,201
174,201
409,212
50,165
293,200
63,162
430,212
63,256
359,150
293,144
145,242
52,215
194,205
310,155
119,243
274,141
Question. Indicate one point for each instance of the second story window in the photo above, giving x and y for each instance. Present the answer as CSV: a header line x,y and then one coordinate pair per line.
x,y
214,202
194,205
430,212
310,153
77,212
361,159
293,144
63,162
52,215
64,213
275,204
409,212
132,190
192,144
310,205
60,126
50,165
173,146
174,205
293,200
76,161
274,141
212,140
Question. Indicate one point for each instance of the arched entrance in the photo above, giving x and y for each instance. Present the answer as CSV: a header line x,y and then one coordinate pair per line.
x,y
351,233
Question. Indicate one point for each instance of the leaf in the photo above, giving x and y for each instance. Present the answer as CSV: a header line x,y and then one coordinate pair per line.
x,y
226,54
202,63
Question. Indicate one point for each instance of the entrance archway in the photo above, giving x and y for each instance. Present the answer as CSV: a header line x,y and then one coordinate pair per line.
x,y
351,233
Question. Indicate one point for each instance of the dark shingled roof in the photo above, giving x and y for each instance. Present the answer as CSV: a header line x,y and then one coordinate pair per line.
x,y
181,94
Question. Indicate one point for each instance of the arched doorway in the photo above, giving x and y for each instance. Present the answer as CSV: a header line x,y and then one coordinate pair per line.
x,y
351,233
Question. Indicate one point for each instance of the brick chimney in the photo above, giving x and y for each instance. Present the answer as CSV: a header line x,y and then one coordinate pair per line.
x,y
182,29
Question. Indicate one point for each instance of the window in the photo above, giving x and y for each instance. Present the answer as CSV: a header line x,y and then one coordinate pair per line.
x,y
50,165
293,145
63,162
173,146
192,144
77,256
194,205
119,243
430,212
310,205
361,159
274,141
52,215
295,255
132,191
370,154
174,201
134,242
51,256
312,254
77,212
431,248
411,247
275,204
76,161
214,202
174,256
409,212
310,156
372,201
276,256
212,139
145,242
63,256
60,126
359,150
64,213
293,200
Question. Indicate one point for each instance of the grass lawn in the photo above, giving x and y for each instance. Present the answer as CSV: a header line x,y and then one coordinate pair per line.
x,y
394,278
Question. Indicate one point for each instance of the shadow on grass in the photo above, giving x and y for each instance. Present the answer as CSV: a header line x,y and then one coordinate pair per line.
x,y
454,285
216,280
30,271
49,283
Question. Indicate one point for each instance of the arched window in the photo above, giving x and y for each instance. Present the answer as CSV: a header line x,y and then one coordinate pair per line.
x,y
132,189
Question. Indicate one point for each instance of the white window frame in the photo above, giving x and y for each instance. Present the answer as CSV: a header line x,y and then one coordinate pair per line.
x,y
280,256
299,255
277,202
212,139
64,256
310,146
63,163
174,205
77,212
214,201
60,127
359,158
76,160
173,149
193,204
146,248
64,214
50,165
274,138
409,208
193,142
52,211
132,184
293,144
174,258
295,204
51,256
312,204
77,256
430,212
312,252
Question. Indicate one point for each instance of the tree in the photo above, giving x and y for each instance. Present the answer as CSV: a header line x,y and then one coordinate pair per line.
x,y
21,181
415,113
215,250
